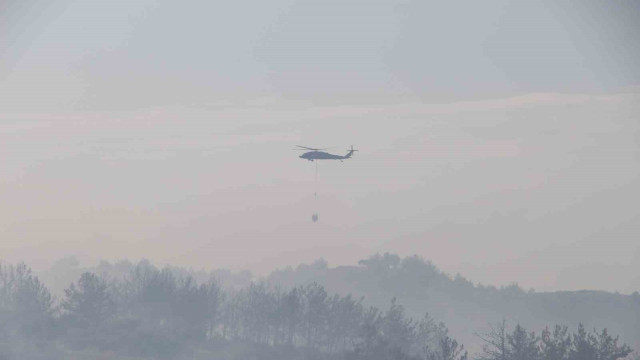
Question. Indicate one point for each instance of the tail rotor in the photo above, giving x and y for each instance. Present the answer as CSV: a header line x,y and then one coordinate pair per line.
x,y
350,152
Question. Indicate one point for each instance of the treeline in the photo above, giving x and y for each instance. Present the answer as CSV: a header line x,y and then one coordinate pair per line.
x,y
164,313
555,344
408,276
464,306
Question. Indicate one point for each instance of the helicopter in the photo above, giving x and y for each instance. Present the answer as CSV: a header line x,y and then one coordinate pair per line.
x,y
317,154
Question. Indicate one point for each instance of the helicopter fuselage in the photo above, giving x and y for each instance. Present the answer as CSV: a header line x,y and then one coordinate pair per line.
x,y
321,155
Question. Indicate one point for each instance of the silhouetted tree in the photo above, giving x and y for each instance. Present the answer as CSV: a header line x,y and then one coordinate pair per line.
x,y
523,345
345,315
559,345
291,308
89,303
555,345
26,305
583,346
369,337
448,349
496,346
398,330
195,309
608,349
152,313
316,311
427,335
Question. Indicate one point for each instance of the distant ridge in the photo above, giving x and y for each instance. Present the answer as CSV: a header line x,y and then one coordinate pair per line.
x,y
465,307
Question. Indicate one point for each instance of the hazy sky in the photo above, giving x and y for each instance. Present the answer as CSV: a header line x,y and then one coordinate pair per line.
x,y
500,139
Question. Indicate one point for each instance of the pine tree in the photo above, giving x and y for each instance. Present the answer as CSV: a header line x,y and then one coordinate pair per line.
x,y
555,345
26,305
496,346
523,345
89,304
608,349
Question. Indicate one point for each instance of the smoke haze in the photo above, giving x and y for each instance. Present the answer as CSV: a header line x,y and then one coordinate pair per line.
x,y
500,140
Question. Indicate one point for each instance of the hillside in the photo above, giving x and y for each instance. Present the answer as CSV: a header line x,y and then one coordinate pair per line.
x,y
420,287
468,308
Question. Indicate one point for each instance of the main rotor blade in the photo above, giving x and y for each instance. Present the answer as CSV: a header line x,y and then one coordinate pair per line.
x,y
309,148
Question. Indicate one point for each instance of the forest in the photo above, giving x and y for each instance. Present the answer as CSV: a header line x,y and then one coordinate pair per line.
x,y
467,307
147,312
